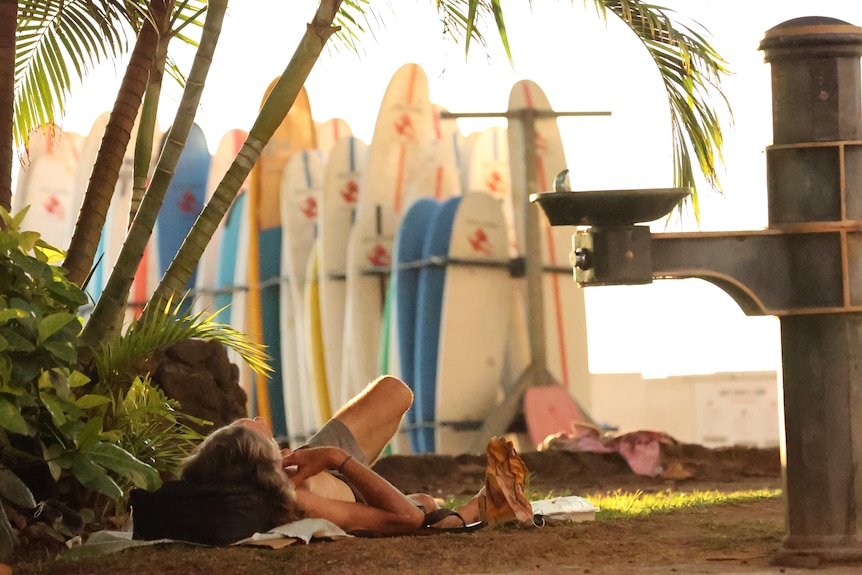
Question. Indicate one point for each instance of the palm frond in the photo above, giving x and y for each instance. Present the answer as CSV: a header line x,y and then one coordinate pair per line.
x,y
120,359
461,19
691,71
353,19
55,39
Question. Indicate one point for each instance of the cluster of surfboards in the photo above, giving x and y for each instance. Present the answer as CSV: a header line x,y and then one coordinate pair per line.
x,y
54,181
352,260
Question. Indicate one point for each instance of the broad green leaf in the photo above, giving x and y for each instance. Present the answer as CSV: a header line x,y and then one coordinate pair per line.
x,y
11,418
77,379
15,341
28,240
92,400
11,313
88,434
121,461
53,323
94,477
64,351
14,490
51,455
55,408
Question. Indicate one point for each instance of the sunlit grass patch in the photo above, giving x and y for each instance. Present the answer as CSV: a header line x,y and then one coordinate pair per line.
x,y
620,504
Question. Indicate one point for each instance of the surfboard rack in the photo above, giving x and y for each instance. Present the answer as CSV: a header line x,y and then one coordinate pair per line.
x,y
516,266
500,420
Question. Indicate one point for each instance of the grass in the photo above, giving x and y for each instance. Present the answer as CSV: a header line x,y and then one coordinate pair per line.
x,y
619,504
624,504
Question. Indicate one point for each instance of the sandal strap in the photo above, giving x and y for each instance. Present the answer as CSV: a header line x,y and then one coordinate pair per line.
x,y
439,515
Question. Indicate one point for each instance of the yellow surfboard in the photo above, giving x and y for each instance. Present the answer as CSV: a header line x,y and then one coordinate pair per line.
x,y
296,132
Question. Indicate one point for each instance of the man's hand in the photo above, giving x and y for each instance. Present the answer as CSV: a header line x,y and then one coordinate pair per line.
x,y
311,461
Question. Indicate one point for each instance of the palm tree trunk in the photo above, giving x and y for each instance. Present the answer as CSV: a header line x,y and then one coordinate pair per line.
x,y
161,11
8,25
271,115
103,321
106,169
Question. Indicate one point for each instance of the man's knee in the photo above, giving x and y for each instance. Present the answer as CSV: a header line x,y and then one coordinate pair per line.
x,y
396,391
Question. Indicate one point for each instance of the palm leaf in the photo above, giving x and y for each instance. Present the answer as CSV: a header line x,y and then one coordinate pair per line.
x,y
120,359
53,38
691,71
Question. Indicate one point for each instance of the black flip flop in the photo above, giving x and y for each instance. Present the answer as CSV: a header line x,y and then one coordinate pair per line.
x,y
438,515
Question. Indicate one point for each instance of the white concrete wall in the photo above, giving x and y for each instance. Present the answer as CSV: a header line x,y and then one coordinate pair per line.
x,y
713,410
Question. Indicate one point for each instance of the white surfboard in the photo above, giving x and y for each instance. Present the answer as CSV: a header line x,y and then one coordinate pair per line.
x,y
399,149
489,172
343,181
205,282
402,140
86,158
329,132
50,187
474,323
565,310
369,256
301,188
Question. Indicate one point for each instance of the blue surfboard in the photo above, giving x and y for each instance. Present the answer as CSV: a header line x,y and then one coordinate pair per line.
x,y
404,284
184,201
226,271
269,244
429,296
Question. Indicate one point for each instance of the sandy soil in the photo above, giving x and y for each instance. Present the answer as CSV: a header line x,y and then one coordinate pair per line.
x,y
739,538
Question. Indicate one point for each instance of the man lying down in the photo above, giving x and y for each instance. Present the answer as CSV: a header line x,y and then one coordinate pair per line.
x,y
238,482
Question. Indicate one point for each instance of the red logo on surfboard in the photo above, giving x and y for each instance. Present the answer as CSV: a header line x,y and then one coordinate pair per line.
x,y
494,182
378,256
349,192
309,207
188,204
53,206
404,126
479,242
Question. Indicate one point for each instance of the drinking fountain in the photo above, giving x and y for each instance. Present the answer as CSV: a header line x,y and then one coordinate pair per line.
x,y
805,268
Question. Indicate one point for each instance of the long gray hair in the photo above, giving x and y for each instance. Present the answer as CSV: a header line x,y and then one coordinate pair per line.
x,y
236,455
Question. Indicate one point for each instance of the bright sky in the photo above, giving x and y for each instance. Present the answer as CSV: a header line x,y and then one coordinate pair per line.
x,y
667,328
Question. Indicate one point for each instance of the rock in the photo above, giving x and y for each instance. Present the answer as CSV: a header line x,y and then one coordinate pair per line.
x,y
200,376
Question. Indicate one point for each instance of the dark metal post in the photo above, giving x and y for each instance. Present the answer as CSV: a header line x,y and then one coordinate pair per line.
x,y
814,181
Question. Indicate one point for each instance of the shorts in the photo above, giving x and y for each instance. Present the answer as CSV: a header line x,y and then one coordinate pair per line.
x,y
336,434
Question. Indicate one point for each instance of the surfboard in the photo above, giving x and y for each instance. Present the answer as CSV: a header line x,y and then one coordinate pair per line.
x,y
344,177
401,145
229,297
447,145
296,132
184,201
301,187
329,132
474,325
86,158
429,294
439,179
565,311
314,335
369,257
117,224
488,171
207,269
50,187
409,244
402,141
40,143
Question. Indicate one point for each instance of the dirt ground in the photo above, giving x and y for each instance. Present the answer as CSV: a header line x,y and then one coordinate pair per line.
x,y
731,538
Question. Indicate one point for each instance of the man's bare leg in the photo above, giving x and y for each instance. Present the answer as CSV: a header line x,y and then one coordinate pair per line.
x,y
375,414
